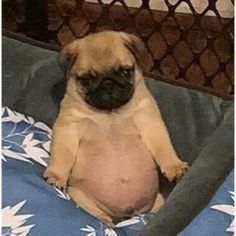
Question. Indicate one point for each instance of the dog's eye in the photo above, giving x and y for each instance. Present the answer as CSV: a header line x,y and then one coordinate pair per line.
x,y
126,73
80,78
84,81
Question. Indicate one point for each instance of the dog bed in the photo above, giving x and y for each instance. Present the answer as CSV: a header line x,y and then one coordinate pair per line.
x,y
200,126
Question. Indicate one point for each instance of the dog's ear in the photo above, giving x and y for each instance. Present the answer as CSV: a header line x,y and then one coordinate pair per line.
x,y
68,56
138,49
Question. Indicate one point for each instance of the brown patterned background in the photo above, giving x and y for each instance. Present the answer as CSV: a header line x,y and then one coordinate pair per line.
x,y
194,47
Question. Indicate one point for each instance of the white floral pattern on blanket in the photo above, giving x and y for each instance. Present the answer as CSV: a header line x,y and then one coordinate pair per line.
x,y
14,224
30,148
227,209
31,206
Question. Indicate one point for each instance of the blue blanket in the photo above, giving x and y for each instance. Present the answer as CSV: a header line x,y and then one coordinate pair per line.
x,y
32,207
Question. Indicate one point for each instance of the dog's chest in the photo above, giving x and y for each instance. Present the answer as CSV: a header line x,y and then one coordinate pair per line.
x,y
112,161
113,141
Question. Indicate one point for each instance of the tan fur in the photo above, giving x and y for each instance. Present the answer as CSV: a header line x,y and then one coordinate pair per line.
x,y
82,132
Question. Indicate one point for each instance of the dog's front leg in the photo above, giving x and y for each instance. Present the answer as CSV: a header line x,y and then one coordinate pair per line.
x,y
64,146
156,138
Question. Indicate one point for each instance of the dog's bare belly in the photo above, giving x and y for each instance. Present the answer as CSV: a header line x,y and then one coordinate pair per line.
x,y
115,169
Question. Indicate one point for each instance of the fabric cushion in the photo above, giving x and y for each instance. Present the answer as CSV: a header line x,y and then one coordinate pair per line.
x,y
200,126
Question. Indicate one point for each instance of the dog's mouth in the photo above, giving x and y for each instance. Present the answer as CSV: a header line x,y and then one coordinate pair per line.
x,y
110,94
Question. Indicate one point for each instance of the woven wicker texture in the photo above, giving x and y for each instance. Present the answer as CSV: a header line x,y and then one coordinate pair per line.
x,y
196,46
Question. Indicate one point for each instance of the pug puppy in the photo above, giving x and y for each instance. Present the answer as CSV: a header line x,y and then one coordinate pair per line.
x,y
109,140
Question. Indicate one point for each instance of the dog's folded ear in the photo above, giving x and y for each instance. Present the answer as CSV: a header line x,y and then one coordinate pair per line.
x,y
138,49
67,57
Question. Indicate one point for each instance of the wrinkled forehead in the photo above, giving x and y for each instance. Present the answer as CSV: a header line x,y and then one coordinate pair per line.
x,y
102,54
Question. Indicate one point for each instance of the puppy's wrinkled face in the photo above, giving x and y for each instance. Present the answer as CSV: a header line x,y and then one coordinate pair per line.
x,y
103,66
108,90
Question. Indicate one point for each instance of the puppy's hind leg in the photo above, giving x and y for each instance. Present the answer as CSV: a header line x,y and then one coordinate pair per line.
x,y
90,206
159,202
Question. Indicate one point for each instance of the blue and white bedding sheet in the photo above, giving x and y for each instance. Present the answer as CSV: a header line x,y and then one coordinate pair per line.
x,y
30,206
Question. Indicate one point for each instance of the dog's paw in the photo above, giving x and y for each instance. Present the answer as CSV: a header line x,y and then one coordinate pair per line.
x,y
55,179
107,220
175,170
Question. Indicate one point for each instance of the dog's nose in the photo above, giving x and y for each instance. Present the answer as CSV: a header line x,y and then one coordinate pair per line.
x,y
111,89
107,84
116,94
